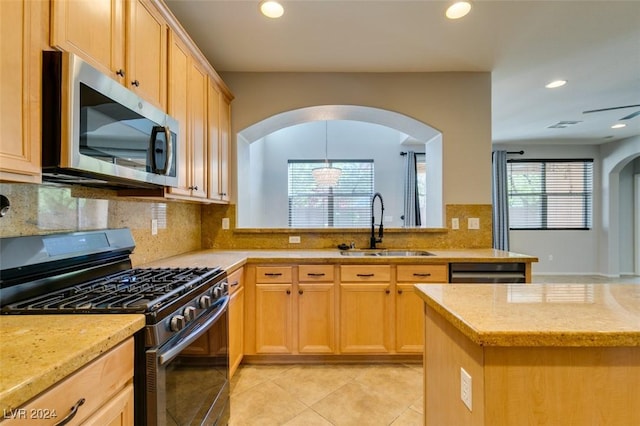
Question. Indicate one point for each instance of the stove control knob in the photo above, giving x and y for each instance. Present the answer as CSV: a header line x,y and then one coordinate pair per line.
x,y
217,292
205,302
189,313
225,287
177,323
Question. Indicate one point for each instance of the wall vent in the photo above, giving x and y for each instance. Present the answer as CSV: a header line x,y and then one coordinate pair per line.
x,y
563,124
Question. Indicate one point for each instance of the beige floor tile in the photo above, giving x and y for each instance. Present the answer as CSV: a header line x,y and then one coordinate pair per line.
x,y
265,403
308,418
354,404
408,418
397,383
418,404
310,383
249,376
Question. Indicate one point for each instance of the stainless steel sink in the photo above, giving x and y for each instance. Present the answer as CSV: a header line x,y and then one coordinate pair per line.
x,y
387,253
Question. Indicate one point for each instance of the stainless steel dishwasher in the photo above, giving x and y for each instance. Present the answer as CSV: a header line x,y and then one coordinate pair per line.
x,y
487,272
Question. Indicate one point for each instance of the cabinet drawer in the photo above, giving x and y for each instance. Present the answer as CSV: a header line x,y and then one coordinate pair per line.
x,y
360,273
235,280
315,273
96,383
273,274
422,273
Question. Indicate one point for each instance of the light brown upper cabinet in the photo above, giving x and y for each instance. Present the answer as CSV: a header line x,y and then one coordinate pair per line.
x,y
92,29
22,39
219,144
187,103
126,40
146,52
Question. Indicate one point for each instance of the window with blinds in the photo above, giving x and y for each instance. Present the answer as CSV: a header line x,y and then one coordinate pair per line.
x,y
550,194
346,205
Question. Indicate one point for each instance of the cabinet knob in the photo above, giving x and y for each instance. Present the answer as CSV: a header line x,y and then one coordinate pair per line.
x,y
399,291
288,291
135,83
387,291
193,188
300,291
120,72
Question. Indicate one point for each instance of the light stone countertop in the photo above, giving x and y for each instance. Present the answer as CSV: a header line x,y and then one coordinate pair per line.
x,y
574,315
231,260
37,351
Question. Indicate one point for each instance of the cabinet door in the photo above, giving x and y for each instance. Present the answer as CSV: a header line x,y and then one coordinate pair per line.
x,y
146,47
225,144
236,330
409,320
118,411
213,113
219,128
365,316
316,318
177,102
20,81
273,318
92,29
197,91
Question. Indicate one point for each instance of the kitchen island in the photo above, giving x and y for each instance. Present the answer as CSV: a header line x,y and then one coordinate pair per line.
x,y
544,354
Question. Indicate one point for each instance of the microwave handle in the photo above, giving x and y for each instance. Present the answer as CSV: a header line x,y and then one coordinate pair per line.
x,y
168,158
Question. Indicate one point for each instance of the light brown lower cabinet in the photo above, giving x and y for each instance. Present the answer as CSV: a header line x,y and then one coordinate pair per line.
x,y
101,391
291,316
333,309
236,320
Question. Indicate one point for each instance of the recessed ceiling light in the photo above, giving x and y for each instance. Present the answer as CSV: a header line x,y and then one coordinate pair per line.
x,y
271,9
618,126
458,9
556,83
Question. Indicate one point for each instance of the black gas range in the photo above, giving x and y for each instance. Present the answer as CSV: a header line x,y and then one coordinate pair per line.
x,y
91,272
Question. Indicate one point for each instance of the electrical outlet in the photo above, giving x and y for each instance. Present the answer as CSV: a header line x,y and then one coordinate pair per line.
x,y
465,388
473,223
154,226
225,223
455,223
294,239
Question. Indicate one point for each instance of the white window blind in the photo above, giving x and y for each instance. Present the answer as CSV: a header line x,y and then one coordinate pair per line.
x,y
347,205
550,194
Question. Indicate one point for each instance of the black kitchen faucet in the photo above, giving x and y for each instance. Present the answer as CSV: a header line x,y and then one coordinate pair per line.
x,y
373,240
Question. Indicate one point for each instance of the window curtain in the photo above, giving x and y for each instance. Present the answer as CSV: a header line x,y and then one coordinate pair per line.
x,y
411,199
500,200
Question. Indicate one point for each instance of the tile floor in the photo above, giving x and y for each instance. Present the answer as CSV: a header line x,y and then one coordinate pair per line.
x,y
331,394
341,394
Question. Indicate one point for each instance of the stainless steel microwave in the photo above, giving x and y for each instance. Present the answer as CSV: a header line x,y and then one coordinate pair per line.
x,y
96,132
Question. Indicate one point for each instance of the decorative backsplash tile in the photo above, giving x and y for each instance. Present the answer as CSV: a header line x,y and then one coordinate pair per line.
x,y
213,236
46,209
183,227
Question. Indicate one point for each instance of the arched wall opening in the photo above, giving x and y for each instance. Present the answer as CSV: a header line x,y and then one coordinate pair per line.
x,y
415,133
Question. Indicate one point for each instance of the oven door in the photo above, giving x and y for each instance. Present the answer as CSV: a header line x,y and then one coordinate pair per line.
x,y
187,378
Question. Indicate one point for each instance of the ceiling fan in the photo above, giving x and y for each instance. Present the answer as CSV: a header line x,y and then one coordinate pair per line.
x,y
628,117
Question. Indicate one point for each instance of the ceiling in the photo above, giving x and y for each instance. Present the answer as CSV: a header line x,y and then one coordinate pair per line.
x,y
594,45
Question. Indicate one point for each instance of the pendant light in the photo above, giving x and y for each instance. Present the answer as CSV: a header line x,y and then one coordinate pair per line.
x,y
326,176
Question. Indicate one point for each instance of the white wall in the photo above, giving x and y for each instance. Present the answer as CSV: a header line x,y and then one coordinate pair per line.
x,y
610,247
347,140
561,252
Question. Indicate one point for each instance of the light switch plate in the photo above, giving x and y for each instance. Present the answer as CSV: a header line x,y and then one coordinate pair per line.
x,y
455,223
474,223
225,223
154,226
294,239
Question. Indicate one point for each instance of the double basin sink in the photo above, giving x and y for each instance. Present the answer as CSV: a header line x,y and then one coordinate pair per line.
x,y
385,253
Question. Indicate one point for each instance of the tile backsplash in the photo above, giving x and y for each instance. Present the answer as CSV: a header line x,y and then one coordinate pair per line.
x,y
184,227
213,236
46,209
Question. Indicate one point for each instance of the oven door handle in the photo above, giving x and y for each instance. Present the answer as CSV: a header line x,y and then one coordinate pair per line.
x,y
199,329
